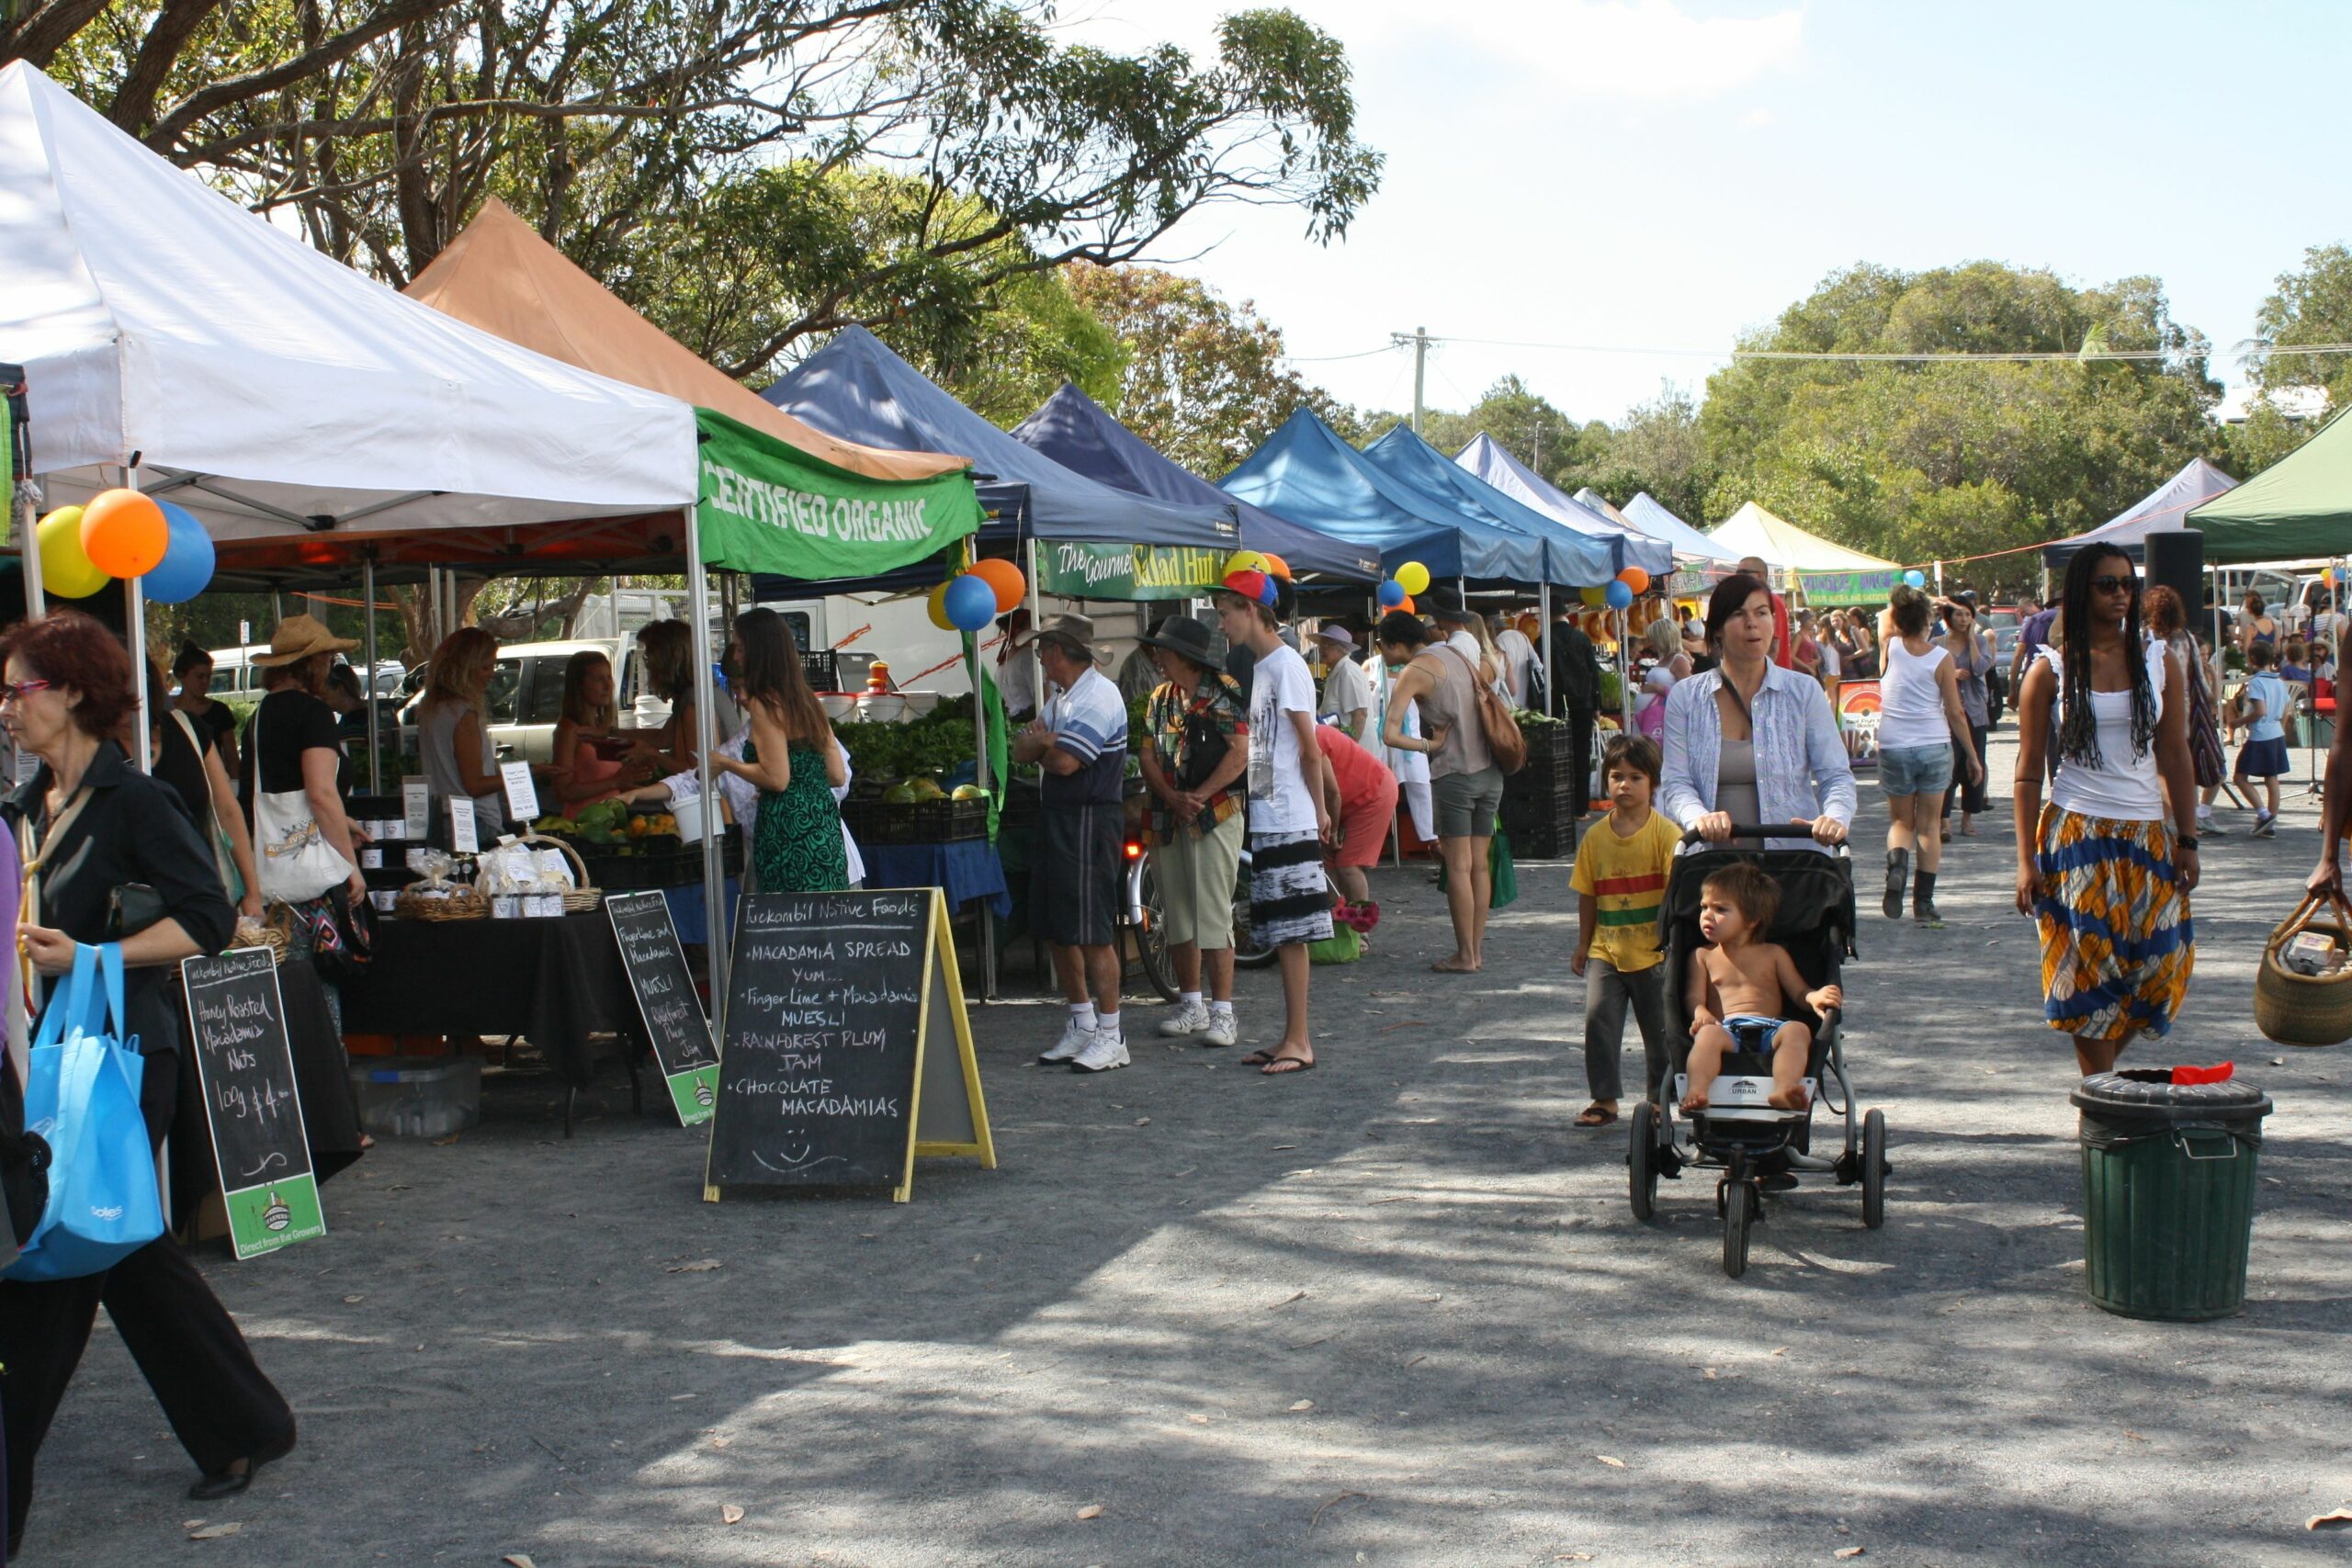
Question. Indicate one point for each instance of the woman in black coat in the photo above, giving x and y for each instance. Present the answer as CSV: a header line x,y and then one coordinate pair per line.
x,y
97,825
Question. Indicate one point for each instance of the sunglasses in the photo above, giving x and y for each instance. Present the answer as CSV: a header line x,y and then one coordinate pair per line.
x,y
2124,584
19,691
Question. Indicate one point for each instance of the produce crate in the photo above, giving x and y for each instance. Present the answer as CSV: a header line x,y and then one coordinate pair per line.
x,y
670,865
924,822
823,669
1541,838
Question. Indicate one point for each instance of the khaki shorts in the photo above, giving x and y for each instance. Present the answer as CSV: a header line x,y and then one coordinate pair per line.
x,y
1466,802
1196,881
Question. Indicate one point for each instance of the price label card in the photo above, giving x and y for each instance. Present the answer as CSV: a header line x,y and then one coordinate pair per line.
x,y
521,794
417,808
461,826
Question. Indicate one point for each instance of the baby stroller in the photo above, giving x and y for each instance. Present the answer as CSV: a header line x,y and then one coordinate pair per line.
x,y
1755,1146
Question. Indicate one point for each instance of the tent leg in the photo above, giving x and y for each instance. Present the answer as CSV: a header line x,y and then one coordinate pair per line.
x,y
367,682
981,775
1625,683
134,620
714,867
23,506
1543,613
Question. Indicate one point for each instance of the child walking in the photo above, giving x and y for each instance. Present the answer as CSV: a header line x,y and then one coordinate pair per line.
x,y
1620,880
1740,985
2263,705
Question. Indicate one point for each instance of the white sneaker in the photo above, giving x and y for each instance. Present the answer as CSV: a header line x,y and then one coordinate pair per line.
x,y
1074,1040
1102,1054
1220,1030
1189,1018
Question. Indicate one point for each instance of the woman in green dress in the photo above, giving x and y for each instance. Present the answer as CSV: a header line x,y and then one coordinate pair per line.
x,y
793,759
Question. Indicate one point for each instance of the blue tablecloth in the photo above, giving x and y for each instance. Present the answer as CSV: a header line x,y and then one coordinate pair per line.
x,y
967,869
685,908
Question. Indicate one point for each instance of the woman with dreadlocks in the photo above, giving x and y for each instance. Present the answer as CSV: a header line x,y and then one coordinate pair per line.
x,y
2099,867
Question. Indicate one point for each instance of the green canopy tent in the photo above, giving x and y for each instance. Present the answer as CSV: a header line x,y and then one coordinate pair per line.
x,y
2299,507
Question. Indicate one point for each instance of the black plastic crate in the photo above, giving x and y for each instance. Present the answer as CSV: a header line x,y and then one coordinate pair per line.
x,y
1541,839
823,669
924,822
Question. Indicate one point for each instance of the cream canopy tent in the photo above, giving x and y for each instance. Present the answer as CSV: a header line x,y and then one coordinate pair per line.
x,y
1826,571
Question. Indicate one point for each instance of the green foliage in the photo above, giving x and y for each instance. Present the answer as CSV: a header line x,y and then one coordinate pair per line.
x,y
2309,306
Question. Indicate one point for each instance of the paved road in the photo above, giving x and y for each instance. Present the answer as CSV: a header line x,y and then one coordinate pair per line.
x,y
1391,1311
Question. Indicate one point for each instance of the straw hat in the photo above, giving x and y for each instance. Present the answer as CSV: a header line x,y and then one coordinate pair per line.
x,y
296,637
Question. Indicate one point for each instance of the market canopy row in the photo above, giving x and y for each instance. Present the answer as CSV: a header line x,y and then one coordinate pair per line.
x,y
1573,556
1486,459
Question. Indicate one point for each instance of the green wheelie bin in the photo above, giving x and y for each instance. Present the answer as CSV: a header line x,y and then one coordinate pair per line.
x,y
2169,1182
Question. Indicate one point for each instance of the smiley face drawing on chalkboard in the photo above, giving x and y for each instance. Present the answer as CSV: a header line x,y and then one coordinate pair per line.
x,y
797,1158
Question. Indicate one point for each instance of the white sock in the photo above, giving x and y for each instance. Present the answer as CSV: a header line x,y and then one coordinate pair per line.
x,y
1108,1028
1224,1008
1191,998
1083,1014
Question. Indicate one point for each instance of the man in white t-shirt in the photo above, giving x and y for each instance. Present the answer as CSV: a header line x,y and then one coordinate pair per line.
x,y
1290,901
1347,695
1519,655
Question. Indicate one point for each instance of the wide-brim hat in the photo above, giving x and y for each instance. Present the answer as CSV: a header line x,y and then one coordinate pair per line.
x,y
1336,634
1444,605
1187,639
1074,632
298,637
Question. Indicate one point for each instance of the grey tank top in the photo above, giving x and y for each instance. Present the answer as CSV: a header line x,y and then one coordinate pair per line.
x,y
1735,782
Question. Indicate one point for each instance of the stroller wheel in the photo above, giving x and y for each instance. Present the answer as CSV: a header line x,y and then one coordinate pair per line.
x,y
1874,1169
1739,1211
1641,1162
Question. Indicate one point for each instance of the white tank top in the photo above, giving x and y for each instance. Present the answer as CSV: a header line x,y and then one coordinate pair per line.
x,y
1910,704
2122,787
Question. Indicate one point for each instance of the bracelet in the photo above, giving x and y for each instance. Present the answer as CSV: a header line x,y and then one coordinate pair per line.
x,y
2180,842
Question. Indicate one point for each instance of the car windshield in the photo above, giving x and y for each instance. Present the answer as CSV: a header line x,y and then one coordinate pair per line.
x,y
502,683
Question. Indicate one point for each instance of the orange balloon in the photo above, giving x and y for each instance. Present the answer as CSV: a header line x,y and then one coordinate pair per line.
x,y
1637,579
1276,565
124,533
1406,604
1005,578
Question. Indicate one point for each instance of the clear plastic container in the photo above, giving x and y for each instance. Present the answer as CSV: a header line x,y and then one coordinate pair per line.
x,y
417,1097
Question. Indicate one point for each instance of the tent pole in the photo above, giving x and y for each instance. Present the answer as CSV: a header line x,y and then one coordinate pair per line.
x,y
23,504
367,684
1543,613
1036,619
134,618
1624,684
980,776
714,870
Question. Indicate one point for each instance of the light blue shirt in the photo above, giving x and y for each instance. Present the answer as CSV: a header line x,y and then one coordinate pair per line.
x,y
1802,770
2265,687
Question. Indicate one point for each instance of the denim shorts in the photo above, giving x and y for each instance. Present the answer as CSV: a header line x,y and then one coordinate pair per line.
x,y
1916,769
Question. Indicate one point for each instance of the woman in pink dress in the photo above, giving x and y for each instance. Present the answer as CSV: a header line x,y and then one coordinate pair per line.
x,y
584,774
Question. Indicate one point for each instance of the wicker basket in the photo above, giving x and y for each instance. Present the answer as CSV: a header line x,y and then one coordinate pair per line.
x,y
462,904
264,933
581,898
2306,1010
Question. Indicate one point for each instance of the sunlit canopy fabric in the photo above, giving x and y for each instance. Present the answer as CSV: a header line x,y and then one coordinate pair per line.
x,y
1486,459
858,388
1753,531
1077,433
1574,556
1645,512
1307,473
273,391
779,496
2163,509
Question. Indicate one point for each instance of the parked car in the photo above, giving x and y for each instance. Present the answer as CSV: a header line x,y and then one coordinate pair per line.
x,y
526,695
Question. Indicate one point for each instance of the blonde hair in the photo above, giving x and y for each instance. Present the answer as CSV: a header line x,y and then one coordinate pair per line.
x,y
461,667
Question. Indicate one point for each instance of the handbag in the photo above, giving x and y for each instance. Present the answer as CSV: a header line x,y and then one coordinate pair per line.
x,y
224,858
342,943
1496,723
82,1099
291,856
2305,1010
1204,747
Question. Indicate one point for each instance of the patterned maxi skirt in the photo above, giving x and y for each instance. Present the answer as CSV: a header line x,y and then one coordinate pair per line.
x,y
2117,942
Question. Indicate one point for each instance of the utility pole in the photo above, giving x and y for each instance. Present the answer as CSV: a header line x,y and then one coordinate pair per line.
x,y
1419,342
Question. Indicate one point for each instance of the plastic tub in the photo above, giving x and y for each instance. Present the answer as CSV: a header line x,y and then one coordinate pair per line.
x,y
2168,1184
417,1097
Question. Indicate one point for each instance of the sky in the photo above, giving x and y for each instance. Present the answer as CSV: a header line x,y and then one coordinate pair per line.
x,y
1661,175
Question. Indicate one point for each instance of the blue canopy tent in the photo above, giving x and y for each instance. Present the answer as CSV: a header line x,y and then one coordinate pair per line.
x,y
855,387
1076,432
2163,509
1571,556
1485,460
1307,472
1644,512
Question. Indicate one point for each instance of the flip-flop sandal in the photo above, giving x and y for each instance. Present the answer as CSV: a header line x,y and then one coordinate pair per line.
x,y
1594,1116
1257,1058
1283,1066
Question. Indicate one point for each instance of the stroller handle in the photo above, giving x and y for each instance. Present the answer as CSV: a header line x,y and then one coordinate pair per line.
x,y
1755,831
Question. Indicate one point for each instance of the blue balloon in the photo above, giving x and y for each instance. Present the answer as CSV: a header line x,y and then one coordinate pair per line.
x,y
1915,577
186,565
1392,593
970,602
1618,596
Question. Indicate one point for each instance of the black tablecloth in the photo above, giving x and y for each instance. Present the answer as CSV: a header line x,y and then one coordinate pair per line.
x,y
330,1109
555,982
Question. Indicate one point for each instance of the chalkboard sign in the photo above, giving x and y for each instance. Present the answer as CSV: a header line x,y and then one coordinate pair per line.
x,y
664,990
825,1079
245,1065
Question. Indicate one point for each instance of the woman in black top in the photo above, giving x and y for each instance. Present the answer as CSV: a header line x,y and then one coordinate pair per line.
x,y
97,824
193,670
201,781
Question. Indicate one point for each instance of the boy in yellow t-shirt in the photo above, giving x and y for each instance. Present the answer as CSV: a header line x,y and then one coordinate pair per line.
x,y
1620,880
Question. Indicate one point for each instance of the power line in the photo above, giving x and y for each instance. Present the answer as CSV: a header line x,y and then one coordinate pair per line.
x,y
2018,357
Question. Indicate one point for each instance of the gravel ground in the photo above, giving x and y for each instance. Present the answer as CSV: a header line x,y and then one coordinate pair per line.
x,y
1392,1312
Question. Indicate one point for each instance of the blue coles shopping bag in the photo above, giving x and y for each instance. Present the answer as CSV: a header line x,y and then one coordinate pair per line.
x,y
82,1097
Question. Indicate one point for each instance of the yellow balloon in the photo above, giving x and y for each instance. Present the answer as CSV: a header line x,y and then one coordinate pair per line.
x,y
1245,560
1413,577
65,568
937,605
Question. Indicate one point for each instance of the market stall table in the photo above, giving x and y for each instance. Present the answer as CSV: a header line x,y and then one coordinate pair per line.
x,y
967,869
555,982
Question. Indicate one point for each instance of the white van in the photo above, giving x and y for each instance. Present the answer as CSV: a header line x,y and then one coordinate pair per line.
x,y
233,674
527,693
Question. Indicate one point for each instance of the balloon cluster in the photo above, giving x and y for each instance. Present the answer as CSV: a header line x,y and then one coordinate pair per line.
x,y
124,533
1620,591
1397,594
1256,574
976,595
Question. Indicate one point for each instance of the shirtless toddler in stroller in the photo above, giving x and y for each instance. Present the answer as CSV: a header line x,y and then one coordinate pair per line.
x,y
1740,986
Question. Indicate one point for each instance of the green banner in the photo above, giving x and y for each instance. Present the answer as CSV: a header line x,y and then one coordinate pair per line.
x,y
263,1219
695,1092
1077,570
767,507
1848,587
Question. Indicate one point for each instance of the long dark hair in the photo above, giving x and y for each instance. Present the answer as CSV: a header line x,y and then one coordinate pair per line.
x,y
1731,596
773,675
2077,725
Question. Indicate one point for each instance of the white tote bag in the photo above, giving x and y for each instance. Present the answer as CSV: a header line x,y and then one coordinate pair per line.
x,y
291,856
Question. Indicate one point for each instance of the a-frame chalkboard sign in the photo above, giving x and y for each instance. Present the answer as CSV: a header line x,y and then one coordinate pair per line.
x,y
845,1050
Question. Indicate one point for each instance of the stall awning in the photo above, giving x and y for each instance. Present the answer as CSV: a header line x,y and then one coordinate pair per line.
x,y
1079,433
276,394
1826,572
1486,458
1645,512
1571,558
860,390
2298,508
2162,510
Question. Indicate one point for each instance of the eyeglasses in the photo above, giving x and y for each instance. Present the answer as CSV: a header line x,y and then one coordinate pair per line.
x,y
2125,584
19,691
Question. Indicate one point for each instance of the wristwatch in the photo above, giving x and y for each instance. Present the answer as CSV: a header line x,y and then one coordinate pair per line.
x,y
2183,843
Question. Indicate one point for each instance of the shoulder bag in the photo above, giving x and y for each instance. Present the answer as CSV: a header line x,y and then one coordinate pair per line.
x,y
291,857
1495,721
224,860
